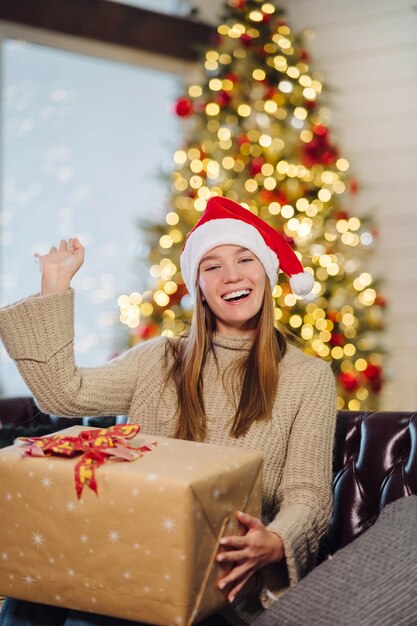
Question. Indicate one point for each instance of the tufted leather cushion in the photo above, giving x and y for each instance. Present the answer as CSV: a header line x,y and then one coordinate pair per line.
x,y
375,463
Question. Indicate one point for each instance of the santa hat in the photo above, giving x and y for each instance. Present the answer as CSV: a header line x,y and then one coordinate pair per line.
x,y
226,222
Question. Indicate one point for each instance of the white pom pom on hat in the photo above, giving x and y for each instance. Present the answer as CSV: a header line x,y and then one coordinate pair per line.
x,y
224,222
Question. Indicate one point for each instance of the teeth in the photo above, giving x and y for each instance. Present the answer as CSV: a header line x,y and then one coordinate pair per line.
x,y
236,294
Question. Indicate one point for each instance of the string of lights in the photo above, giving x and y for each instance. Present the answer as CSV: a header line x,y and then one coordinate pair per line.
x,y
257,132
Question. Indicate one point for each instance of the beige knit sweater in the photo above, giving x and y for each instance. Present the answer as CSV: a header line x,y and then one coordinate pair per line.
x,y
297,442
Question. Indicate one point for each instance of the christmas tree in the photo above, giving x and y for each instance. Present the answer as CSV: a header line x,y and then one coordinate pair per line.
x,y
257,131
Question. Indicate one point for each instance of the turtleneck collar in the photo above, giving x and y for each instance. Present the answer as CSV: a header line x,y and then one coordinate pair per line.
x,y
233,342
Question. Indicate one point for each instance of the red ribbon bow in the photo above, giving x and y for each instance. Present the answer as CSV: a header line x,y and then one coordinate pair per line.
x,y
96,447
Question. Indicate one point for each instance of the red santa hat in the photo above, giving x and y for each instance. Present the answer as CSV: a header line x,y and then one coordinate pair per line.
x,y
226,222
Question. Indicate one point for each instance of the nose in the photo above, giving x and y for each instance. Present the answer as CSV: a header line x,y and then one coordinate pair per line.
x,y
231,273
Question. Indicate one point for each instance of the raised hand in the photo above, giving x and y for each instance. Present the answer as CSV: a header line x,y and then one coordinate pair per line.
x,y
248,553
59,265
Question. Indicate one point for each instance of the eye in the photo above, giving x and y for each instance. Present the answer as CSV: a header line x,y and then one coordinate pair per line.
x,y
246,259
210,268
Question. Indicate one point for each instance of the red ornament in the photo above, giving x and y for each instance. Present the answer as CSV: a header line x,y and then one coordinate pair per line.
x,y
273,196
246,40
183,107
372,372
333,316
176,297
242,139
337,339
147,331
320,130
328,157
353,186
319,149
303,54
232,76
255,166
349,381
270,92
223,98
380,301
376,385
373,376
342,215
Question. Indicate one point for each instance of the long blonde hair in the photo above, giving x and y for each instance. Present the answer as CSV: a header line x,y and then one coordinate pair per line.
x,y
256,373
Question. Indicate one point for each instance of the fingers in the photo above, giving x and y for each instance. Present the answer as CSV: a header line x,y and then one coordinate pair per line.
x,y
237,579
73,244
234,556
234,575
234,541
235,590
241,541
247,553
249,521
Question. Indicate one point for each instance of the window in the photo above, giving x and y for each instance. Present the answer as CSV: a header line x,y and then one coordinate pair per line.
x,y
83,143
164,6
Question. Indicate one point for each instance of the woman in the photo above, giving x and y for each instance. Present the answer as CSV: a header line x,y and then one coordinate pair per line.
x,y
233,380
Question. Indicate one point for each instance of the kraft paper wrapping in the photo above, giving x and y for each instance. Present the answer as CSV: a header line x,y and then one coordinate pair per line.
x,y
143,548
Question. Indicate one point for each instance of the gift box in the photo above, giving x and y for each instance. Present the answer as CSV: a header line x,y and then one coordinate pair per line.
x,y
143,548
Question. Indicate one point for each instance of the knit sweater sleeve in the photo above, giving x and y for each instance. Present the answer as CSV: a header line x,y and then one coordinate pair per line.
x,y
305,491
38,334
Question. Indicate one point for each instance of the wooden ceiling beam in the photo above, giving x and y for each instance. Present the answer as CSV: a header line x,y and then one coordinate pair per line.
x,y
112,23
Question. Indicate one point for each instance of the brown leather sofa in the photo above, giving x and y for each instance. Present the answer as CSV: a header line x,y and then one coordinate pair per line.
x,y
20,417
375,460
375,463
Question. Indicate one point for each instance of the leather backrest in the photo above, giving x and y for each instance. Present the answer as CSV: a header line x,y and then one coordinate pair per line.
x,y
21,412
375,463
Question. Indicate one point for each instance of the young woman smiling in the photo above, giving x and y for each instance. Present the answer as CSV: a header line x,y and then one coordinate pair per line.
x,y
232,283
231,380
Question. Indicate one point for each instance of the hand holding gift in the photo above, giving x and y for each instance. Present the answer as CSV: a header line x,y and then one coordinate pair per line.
x,y
248,553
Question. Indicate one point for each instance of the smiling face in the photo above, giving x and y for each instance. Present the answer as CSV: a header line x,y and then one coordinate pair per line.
x,y
232,282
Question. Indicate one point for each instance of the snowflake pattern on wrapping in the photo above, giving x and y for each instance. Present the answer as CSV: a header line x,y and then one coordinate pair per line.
x,y
93,551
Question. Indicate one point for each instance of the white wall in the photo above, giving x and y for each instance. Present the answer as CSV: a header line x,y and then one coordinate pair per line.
x,y
367,51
